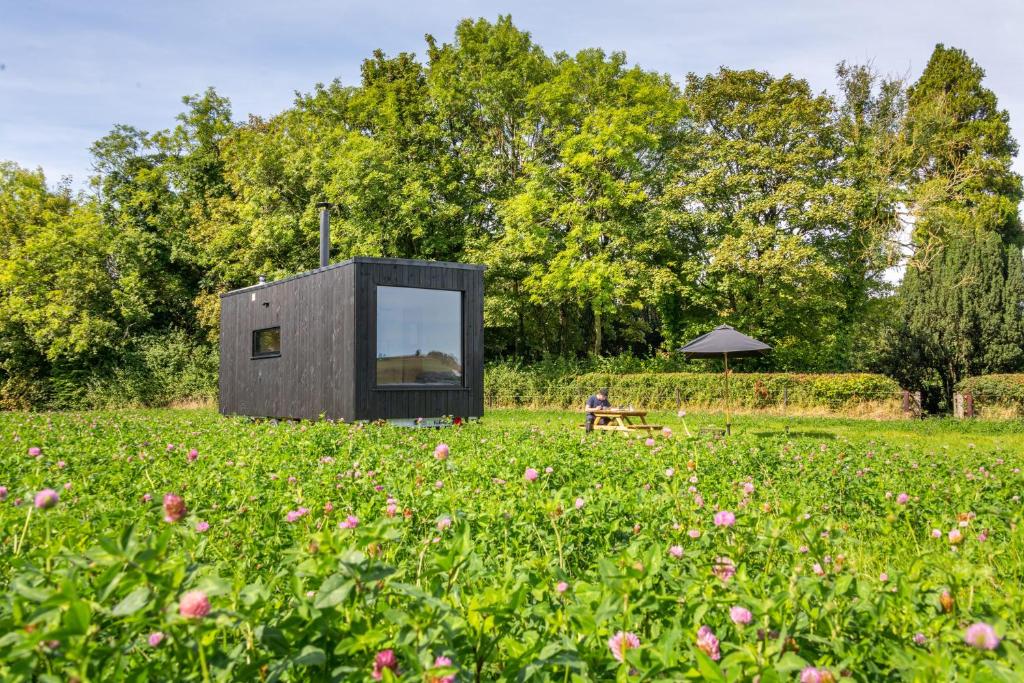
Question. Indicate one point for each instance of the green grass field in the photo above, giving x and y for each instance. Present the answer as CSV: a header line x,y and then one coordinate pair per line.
x,y
927,433
180,545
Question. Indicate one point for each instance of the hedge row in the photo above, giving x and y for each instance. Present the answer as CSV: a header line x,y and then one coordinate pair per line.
x,y
995,390
508,387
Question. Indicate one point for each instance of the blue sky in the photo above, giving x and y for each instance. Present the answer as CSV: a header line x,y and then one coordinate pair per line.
x,y
70,70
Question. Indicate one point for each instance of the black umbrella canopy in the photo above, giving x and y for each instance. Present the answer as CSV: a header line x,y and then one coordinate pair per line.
x,y
724,340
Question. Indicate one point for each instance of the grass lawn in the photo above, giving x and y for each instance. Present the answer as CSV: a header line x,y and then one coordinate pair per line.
x,y
181,545
930,432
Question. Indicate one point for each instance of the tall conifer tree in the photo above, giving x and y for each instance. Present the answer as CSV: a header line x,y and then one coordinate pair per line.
x,y
962,299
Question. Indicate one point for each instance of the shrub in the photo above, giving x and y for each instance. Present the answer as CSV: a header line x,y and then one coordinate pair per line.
x,y
995,391
149,371
158,370
508,386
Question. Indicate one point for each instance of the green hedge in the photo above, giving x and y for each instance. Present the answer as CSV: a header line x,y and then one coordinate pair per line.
x,y
509,386
995,390
154,370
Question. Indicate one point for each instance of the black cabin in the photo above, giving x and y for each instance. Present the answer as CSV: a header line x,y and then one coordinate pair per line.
x,y
364,339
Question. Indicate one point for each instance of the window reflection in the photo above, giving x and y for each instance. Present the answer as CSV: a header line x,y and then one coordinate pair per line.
x,y
419,336
266,342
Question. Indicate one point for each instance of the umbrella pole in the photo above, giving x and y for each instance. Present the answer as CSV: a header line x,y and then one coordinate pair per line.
x,y
728,421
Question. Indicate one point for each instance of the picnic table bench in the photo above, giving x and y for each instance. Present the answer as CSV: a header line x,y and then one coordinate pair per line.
x,y
621,420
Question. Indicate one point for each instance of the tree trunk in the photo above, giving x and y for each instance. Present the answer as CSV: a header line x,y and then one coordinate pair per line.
x,y
521,337
517,344
561,329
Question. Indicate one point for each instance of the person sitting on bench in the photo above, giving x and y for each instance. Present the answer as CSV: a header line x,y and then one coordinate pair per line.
x,y
598,401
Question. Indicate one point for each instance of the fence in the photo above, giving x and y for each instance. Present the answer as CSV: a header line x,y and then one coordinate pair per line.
x,y
993,396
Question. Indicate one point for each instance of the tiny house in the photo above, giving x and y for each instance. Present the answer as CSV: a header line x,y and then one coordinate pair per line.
x,y
363,339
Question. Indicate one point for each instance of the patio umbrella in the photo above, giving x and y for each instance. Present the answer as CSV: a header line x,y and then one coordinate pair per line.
x,y
724,341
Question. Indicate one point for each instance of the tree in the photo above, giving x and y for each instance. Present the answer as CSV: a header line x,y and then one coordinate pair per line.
x,y
68,295
614,211
960,303
869,121
963,315
26,206
961,152
394,181
480,88
589,225
772,218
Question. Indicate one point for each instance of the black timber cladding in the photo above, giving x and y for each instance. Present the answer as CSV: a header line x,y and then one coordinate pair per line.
x,y
313,373
327,365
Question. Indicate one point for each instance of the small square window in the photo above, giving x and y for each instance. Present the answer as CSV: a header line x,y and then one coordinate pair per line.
x,y
266,343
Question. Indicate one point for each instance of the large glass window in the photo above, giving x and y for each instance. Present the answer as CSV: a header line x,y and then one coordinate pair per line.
x,y
419,336
266,343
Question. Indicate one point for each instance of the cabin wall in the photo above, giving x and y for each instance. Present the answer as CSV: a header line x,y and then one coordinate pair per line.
x,y
385,402
313,376
327,366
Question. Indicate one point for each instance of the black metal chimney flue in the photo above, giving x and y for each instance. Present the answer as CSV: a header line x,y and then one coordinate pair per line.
x,y
325,232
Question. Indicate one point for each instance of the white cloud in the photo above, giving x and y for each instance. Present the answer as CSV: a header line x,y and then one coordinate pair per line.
x,y
73,70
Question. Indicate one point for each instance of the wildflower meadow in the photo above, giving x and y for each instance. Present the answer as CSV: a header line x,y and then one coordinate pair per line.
x,y
184,546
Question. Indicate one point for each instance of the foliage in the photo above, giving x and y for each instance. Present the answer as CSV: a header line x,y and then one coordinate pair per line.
x,y
607,243
772,216
506,386
156,370
961,316
84,281
995,390
960,154
617,212
69,288
838,570
962,299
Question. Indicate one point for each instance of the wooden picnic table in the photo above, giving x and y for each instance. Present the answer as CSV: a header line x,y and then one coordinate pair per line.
x,y
621,420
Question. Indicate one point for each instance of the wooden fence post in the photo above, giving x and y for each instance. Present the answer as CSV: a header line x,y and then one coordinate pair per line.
x,y
912,403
